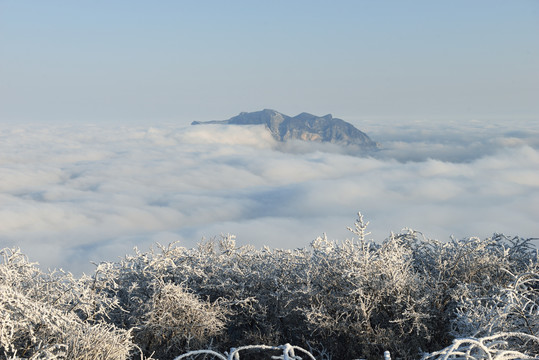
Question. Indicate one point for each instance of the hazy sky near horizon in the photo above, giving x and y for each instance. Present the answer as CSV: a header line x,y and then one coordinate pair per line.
x,y
201,60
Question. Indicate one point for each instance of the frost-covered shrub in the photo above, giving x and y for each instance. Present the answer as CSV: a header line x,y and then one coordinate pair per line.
x,y
56,288
511,307
166,316
217,293
340,299
350,299
457,271
176,320
368,297
38,318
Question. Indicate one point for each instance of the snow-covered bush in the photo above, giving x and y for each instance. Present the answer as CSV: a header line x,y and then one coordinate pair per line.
x,y
165,315
177,319
340,299
56,288
456,272
368,297
39,316
512,307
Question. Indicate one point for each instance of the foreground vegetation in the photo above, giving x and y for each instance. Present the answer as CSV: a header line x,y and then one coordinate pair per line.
x,y
411,295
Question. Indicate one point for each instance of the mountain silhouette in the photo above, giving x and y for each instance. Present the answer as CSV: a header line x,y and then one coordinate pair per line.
x,y
305,126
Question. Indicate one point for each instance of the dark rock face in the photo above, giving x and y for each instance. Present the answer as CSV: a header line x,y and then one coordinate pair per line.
x,y
306,127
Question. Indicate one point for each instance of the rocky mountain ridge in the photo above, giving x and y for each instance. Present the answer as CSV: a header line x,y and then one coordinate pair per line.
x,y
305,126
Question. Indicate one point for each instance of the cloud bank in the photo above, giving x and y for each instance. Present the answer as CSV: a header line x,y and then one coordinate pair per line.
x,y
70,195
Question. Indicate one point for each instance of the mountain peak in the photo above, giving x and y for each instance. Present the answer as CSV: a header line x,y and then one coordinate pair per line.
x,y
305,115
305,126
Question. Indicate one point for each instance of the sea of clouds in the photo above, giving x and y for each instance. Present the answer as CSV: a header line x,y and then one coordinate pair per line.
x,y
73,194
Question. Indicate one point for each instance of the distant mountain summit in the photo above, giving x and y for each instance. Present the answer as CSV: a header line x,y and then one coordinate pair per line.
x,y
306,127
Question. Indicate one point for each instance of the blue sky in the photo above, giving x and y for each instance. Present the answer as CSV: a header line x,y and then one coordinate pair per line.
x,y
143,61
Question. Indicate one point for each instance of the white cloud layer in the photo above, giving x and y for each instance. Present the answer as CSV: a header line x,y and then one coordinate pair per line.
x,y
74,194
